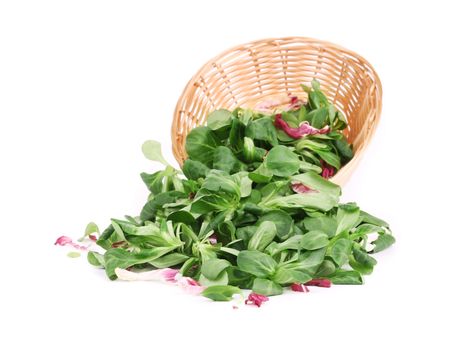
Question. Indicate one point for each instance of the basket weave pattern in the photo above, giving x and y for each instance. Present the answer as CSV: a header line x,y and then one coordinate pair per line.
x,y
260,70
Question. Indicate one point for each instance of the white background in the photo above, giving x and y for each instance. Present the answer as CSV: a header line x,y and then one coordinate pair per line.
x,y
84,83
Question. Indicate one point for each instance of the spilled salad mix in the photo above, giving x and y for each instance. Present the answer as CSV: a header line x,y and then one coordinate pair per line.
x,y
251,209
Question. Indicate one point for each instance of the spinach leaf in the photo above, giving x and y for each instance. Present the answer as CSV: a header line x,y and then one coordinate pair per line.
x,y
118,257
318,117
370,219
326,268
326,224
284,275
262,129
225,160
194,169
344,149
261,175
346,277
212,268
292,242
340,251
95,259
316,182
281,161
313,240
151,208
347,217
236,135
168,260
330,158
283,222
263,236
307,201
221,293
219,119
361,261
383,242
266,287
256,263
152,151
200,145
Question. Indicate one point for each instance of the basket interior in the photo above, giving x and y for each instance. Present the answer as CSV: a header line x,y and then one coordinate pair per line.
x,y
260,70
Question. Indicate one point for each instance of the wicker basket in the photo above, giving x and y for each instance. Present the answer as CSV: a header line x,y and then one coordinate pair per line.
x,y
259,70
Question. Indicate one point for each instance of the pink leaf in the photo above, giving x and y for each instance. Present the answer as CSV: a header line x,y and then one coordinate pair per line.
x,y
299,187
267,106
319,282
65,240
304,128
190,286
256,299
213,239
297,287
328,171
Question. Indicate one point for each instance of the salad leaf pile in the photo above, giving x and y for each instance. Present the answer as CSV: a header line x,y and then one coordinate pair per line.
x,y
253,209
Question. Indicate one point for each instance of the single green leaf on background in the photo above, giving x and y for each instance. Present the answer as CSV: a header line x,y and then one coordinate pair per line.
x,y
73,254
221,293
346,277
152,150
383,242
91,228
95,259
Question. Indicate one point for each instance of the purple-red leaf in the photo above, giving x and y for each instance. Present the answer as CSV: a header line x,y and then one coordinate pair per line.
x,y
304,128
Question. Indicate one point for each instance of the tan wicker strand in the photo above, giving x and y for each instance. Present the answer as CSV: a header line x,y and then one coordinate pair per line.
x,y
259,70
